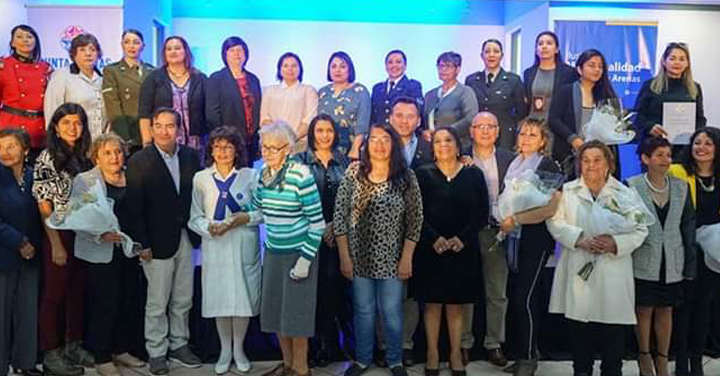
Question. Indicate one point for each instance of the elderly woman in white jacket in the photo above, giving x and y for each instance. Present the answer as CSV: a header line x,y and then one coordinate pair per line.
x,y
221,213
593,285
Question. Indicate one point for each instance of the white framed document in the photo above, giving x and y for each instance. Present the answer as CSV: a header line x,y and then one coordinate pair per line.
x,y
679,121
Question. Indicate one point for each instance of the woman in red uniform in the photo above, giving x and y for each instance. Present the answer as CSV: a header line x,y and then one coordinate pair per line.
x,y
23,78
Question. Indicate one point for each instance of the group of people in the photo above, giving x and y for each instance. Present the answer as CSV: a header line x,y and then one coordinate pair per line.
x,y
388,195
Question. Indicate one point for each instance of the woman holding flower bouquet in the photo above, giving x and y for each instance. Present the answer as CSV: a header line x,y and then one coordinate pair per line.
x,y
528,253
599,223
668,254
575,103
112,276
700,168
63,274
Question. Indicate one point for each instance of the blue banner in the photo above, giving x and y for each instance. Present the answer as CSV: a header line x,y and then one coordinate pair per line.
x,y
629,49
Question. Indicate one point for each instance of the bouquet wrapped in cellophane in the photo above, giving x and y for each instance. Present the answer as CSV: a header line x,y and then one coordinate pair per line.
x,y
615,215
91,211
708,238
609,126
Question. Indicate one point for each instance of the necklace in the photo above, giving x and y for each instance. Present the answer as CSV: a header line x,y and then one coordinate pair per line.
x,y
653,188
706,188
177,75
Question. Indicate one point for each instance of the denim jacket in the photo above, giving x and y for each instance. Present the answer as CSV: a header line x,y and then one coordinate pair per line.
x,y
327,180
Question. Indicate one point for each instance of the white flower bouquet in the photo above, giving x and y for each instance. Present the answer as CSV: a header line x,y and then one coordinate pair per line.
x,y
708,238
91,211
615,215
608,126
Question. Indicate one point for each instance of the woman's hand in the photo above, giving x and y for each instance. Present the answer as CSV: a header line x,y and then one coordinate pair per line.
x,y
584,243
405,268
217,229
508,225
27,251
456,244
59,255
329,235
441,245
658,131
146,254
111,237
466,160
577,143
604,244
346,267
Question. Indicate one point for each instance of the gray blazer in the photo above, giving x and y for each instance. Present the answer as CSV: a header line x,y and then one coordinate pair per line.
x,y
676,238
455,110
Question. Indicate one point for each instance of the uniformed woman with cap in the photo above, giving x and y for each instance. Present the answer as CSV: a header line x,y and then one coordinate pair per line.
x,y
499,92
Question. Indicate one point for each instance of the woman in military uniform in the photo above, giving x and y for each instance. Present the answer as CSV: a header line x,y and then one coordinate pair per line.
x,y
121,85
499,92
23,79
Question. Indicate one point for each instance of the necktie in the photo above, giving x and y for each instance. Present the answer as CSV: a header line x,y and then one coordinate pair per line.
x,y
490,77
391,86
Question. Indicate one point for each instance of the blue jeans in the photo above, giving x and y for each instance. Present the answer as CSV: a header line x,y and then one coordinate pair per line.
x,y
368,295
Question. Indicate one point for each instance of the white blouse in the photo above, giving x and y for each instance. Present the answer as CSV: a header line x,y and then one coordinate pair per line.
x,y
296,104
66,87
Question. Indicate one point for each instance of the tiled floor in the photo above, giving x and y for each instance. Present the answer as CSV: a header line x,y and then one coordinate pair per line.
x,y
550,368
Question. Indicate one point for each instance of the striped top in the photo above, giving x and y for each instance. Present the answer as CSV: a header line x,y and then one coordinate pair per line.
x,y
292,212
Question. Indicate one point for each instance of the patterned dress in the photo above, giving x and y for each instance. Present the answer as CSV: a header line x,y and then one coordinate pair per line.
x,y
350,109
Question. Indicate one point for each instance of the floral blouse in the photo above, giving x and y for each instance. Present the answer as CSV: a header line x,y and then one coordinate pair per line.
x,y
377,219
49,184
350,109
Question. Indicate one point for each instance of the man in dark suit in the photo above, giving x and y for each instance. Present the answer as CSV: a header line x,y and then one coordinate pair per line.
x,y
405,119
397,85
159,183
494,163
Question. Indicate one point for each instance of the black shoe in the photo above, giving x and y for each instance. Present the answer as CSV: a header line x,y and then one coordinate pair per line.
x,y
381,359
432,371
322,358
398,371
27,371
496,357
696,366
356,370
511,368
158,366
408,357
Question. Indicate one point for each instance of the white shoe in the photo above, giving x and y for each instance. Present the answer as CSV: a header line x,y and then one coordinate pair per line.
x,y
242,363
221,368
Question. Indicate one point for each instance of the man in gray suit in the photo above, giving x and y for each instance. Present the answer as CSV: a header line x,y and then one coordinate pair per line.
x,y
494,163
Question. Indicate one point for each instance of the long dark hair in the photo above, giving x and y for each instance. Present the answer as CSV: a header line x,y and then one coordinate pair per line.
x,y
558,57
186,47
73,160
398,166
687,158
603,88
311,131
36,53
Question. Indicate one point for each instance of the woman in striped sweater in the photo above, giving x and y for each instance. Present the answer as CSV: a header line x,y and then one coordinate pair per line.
x,y
290,203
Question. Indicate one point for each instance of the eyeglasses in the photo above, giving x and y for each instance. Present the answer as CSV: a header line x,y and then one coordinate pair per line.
x,y
272,149
677,44
484,127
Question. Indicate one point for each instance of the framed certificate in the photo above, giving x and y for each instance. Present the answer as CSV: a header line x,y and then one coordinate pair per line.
x,y
679,121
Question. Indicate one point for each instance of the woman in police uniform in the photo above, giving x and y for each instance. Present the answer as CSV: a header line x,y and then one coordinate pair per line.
x,y
499,92
121,85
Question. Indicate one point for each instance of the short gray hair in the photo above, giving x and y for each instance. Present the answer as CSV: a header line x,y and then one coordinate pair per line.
x,y
281,130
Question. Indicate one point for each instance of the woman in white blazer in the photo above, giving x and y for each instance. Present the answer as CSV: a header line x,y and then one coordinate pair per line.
x,y
601,306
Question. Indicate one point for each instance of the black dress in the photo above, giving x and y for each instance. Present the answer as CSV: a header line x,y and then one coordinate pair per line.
x,y
454,207
659,293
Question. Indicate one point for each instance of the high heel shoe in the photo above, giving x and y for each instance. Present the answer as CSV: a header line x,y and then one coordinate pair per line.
x,y
640,368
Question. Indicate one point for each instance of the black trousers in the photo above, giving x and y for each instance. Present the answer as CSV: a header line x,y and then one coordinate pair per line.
x,y
692,317
526,302
587,338
333,311
114,317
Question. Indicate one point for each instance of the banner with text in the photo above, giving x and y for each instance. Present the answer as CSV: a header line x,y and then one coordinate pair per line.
x,y
57,26
629,49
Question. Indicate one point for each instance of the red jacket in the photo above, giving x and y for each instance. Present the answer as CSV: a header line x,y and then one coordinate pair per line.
x,y
22,86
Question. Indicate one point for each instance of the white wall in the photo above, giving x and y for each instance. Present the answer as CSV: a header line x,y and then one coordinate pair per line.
x,y
531,22
697,28
13,13
367,44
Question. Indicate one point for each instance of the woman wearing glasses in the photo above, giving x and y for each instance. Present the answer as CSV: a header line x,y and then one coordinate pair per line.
x,y
290,203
